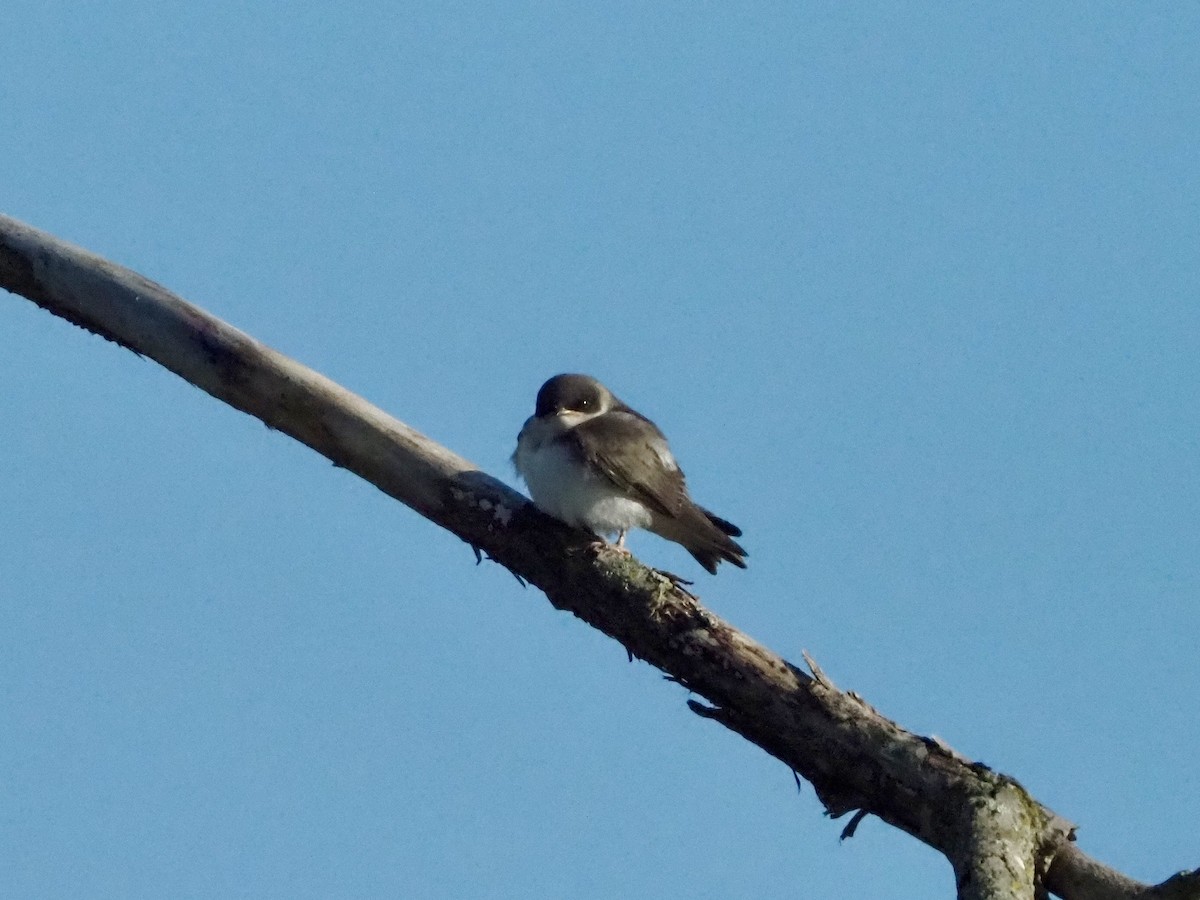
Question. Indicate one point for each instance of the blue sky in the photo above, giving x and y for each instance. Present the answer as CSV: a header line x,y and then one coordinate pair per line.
x,y
911,287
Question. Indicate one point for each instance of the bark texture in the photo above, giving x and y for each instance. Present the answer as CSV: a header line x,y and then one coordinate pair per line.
x,y
1000,842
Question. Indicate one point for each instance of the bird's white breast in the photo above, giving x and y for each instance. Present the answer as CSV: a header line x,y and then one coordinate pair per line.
x,y
567,489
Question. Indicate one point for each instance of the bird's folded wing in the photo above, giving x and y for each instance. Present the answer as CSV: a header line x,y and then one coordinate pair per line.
x,y
633,454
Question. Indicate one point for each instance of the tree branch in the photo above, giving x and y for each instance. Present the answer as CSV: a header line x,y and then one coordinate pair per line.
x,y
1000,841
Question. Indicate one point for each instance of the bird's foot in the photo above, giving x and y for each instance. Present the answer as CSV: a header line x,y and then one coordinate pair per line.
x,y
600,545
677,582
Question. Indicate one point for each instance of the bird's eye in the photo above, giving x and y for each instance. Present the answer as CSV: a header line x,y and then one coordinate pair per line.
x,y
585,404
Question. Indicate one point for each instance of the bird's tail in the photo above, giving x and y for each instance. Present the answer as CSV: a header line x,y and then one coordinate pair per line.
x,y
724,524
721,546
709,538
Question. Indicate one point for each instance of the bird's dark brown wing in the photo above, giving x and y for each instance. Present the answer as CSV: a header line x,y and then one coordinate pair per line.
x,y
633,454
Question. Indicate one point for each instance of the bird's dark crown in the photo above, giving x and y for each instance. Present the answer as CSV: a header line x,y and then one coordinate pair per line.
x,y
576,393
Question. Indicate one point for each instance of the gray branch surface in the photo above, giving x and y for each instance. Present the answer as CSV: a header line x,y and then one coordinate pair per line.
x,y
1000,842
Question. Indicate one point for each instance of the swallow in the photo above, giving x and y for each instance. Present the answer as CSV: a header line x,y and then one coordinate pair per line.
x,y
593,462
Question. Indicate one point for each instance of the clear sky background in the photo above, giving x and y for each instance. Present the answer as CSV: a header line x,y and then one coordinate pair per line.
x,y
912,288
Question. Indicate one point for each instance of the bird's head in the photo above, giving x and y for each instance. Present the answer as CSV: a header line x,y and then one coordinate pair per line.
x,y
573,399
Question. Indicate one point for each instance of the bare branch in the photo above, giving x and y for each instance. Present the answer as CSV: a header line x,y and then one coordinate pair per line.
x,y
998,839
1076,876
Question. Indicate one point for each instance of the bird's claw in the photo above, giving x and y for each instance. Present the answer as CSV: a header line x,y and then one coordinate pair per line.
x,y
600,545
677,582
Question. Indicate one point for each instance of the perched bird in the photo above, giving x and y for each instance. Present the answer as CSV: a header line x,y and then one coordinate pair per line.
x,y
592,462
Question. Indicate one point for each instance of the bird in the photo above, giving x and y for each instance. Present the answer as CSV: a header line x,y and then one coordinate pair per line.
x,y
593,462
